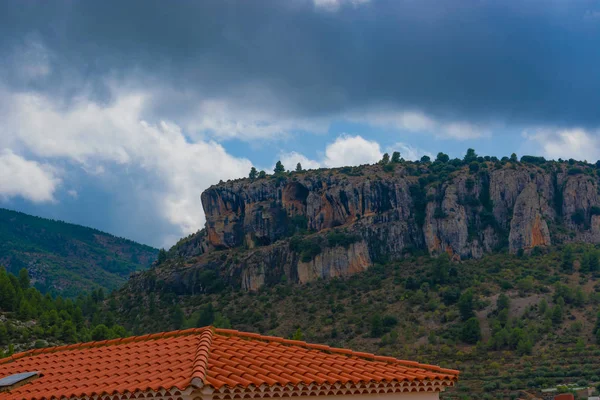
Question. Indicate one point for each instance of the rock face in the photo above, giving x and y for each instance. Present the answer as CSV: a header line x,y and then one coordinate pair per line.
x,y
327,223
528,227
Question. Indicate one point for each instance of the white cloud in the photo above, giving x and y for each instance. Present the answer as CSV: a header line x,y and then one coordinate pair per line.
x,y
351,150
30,59
334,5
463,131
346,150
224,120
417,121
28,179
289,161
565,143
592,14
409,152
73,193
413,121
92,136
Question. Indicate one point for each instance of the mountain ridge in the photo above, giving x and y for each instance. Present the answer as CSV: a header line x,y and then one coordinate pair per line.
x,y
308,225
66,258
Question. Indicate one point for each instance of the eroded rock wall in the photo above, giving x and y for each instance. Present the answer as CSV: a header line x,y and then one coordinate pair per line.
x,y
388,212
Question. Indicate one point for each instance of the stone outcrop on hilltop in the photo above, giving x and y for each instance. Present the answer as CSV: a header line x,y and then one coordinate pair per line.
x,y
325,223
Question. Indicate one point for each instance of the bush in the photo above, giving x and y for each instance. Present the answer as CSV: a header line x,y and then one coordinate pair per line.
x,y
533,159
578,217
308,248
439,213
575,171
471,331
338,238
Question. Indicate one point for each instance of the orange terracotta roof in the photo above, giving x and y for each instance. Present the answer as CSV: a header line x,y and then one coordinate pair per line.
x,y
218,359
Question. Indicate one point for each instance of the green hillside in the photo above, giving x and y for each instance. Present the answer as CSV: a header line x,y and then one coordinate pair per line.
x,y
30,319
66,258
535,313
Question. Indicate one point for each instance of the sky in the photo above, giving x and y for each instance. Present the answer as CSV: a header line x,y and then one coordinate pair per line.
x,y
117,115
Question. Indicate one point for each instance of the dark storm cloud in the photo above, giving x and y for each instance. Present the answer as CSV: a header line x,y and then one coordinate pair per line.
x,y
532,62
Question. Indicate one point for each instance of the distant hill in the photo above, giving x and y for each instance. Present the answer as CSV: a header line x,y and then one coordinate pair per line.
x,y
67,259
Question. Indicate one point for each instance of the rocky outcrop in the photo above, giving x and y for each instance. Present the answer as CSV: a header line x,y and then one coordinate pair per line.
x,y
528,228
328,223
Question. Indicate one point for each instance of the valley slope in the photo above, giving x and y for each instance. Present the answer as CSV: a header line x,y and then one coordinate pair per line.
x,y
65,258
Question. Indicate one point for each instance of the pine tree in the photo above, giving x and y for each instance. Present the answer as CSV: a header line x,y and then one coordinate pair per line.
x,y
3,334
543,306
557,315
443,158
396,157
221,321
177,317
298,335
471,331
584,266
470,156
162,256
24,280
385,159
567,260
101,332
262,174
207,316
298,167
503,302
8,294
593,261
253,173
376,326
69,333
465,305
279,168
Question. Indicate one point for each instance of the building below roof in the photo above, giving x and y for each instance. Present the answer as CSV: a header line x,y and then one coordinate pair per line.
x,y
217,364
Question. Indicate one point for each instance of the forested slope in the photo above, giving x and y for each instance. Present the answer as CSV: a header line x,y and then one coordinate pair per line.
x,y
66,258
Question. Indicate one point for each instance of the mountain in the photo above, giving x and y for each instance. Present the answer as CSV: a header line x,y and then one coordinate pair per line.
x,y
68,259
485,265
509,322
307,225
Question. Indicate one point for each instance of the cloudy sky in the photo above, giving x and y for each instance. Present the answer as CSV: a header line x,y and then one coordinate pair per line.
x,y
117,115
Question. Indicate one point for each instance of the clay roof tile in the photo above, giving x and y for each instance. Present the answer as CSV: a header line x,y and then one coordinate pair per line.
x,y
218,357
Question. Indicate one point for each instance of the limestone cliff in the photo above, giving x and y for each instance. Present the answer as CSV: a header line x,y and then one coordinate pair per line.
x,y
324,223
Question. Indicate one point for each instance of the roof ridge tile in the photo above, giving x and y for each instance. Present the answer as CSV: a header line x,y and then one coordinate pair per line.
x,y
200,366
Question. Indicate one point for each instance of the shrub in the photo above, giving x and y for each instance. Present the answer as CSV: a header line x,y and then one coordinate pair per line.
x,y
578,217
471,331
439,213
338,238
533,159
575,171
308,248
